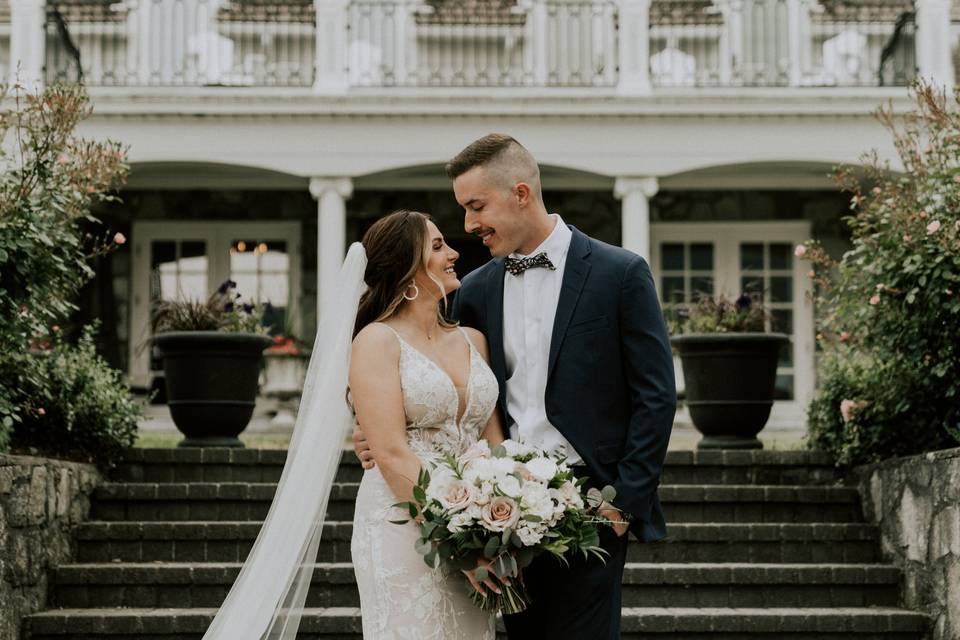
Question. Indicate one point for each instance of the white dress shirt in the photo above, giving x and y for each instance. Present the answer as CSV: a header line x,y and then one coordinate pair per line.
x,y
529,307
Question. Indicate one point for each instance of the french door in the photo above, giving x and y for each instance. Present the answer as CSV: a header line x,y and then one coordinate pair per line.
x,y
690,259
188,260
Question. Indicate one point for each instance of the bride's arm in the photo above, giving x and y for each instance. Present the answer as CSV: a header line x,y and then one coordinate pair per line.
x,y
493,431
378,400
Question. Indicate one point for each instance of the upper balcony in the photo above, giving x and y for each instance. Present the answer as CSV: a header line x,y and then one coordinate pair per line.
x,y
338,46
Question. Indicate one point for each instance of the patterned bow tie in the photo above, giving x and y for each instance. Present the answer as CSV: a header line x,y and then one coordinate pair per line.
x,y
516,266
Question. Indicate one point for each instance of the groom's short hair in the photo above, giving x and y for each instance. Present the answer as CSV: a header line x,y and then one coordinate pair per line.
x,y
507,160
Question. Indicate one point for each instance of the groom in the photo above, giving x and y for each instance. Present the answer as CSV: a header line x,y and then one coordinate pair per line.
x,y
580,351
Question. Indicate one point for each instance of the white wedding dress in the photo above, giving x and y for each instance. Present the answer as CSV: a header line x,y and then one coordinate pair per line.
x,y
401,598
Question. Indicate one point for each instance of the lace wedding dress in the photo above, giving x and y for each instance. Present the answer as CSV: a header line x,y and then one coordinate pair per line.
x,y
401,598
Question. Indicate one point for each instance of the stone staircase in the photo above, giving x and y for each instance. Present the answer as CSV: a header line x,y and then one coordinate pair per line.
x,y
762,545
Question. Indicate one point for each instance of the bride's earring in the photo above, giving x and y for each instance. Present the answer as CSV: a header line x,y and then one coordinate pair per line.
x,y
416,292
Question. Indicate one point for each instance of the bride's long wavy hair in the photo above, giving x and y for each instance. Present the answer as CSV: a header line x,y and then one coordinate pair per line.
x,y
397,245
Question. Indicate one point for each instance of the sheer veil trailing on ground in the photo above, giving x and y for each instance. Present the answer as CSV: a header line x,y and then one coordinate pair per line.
x,y
266,601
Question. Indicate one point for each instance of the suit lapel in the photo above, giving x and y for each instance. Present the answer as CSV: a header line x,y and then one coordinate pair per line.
x,y
498,361
574,276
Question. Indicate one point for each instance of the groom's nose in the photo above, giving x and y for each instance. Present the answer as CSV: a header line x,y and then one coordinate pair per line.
x,y
470,223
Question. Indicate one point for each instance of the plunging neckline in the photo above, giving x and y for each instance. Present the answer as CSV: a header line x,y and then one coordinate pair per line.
x,y
457,419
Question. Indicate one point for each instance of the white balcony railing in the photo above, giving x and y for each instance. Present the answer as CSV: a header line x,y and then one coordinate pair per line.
x,y
632,45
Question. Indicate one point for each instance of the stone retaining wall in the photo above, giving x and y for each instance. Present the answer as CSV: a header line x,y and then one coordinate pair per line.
x,y
39,501
916,503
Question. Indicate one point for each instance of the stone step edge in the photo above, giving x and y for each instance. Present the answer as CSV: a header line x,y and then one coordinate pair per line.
x,y
227,455
745,620
126,491
740,573
107,530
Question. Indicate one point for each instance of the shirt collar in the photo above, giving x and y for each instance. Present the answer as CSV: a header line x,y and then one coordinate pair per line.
x,y
555,245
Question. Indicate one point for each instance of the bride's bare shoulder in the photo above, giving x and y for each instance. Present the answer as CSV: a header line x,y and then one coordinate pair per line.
x,y
479,340
376,338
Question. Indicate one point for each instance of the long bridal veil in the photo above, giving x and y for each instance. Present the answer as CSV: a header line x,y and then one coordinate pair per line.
x,y
267,599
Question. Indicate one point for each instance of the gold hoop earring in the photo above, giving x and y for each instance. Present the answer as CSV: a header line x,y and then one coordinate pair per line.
x,y
416,292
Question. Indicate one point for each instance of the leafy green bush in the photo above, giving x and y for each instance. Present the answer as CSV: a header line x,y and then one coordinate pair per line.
x,y
889,310
78,405
49,180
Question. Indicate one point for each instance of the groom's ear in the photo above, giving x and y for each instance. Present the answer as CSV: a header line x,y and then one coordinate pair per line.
x,y
521,192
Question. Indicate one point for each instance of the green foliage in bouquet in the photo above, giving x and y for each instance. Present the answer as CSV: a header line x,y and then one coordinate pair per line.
x,y
889,309
49,181
719,315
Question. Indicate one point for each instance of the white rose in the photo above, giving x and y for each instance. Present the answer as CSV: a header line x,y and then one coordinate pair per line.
x,y
459,522
542,469
440,480
568,495
535,499
477,451
510,486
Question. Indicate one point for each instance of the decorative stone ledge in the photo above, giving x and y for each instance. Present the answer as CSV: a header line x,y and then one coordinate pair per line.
x,y
916,503
40,500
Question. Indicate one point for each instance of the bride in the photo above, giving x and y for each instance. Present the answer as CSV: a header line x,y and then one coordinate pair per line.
x,y
421,388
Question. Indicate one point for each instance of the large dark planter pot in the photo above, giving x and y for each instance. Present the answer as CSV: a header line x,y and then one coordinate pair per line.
x,y
211,380
730,380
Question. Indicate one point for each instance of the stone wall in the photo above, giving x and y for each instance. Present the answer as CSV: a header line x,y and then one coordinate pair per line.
x,y
916,503
39,501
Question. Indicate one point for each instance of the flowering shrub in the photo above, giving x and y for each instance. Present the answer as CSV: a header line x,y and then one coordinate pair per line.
x,y
223,311
719,315
75,404
49,180
889,310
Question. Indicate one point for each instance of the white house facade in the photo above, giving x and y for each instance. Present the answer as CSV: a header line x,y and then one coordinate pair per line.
x,y
265,135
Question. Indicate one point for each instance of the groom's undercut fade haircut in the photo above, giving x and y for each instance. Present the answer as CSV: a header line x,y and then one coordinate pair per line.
x,y
505,160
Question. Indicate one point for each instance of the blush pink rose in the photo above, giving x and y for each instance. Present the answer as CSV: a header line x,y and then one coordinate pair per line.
x,y
933,227
800,251
458,496
119,238
500,513
874,299
847,407
844,336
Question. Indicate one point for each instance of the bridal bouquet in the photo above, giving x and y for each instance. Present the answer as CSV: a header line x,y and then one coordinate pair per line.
x,y
505,506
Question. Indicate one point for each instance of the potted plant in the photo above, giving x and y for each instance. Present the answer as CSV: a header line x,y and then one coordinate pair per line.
x,y
212,353
729,369
284,373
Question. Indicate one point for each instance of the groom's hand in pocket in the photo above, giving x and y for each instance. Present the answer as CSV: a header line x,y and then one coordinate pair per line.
x,y
616,519
362,448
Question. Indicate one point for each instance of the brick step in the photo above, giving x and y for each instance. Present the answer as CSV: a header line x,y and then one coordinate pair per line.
x,y
100,541
265,465
879,623
682,503
652,585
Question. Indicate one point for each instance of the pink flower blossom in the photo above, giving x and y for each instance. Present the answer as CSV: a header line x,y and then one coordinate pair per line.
x,y
63,159
810,273
800,251
847,407
922,214
874,299
881,287
55,328
949,292
844,336
933,227
41,412
119,238
906,237
876,191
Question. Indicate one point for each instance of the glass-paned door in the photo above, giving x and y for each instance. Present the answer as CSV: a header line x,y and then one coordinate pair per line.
x,y
188,260
691,259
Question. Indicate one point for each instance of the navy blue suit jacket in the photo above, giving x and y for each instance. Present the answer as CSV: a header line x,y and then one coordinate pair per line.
x,y
610,383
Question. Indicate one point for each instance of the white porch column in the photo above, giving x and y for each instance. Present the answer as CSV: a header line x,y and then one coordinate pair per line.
x,y
331,45
634,44
27,43
635,215
933,42
331,194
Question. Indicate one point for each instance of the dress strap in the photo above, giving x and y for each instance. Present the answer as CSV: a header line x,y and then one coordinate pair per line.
x,y
467,336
